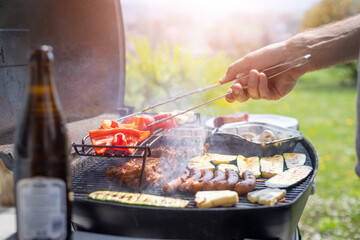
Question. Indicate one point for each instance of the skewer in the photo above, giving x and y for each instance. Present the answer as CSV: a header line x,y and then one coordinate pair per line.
x,y
188,110
127,116
305,58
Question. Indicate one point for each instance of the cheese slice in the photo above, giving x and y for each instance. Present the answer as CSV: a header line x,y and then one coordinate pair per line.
x,y
267,196
289,177
251,164
271,166
222,198
294,159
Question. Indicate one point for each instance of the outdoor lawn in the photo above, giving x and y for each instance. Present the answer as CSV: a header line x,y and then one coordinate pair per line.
x,y
326,114
323,102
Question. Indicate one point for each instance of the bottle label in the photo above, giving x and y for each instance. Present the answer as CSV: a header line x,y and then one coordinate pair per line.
x,y
41,208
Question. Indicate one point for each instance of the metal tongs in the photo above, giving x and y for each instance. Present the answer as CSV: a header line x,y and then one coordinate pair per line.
x,y
301,61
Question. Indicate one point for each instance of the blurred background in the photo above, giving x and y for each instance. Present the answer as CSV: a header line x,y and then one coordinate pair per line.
x,y
177,46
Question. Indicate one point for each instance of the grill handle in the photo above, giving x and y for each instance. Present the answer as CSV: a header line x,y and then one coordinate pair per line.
x,y
8,160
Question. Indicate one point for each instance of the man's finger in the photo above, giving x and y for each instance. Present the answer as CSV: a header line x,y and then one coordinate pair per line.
x,y
264,90
253,84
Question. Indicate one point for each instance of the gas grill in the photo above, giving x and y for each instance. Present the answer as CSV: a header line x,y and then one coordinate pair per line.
x,y
245,220
100,48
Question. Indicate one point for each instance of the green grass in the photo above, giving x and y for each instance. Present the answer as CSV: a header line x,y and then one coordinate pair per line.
x,y
324,108
327,117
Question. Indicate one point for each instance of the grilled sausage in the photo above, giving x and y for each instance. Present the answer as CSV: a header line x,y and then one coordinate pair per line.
x,y
195,174
218,176
197,185
247,185
173,185
232,177
237,117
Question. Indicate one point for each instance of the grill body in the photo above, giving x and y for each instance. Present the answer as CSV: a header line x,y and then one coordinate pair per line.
x,y
245,220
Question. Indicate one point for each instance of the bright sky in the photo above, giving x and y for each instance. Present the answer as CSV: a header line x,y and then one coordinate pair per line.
x,y
198,16
221,7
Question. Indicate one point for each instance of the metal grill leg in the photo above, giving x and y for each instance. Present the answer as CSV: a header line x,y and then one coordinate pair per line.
x,y
296,235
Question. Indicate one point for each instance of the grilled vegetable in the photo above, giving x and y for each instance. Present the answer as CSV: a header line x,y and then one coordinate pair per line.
x,y
166,125
289,177
294,159
140,122
138,199
271,166
208,199
221,159
201,162
200,159
108,124
251,164
128,136
183,118
222,167
201,165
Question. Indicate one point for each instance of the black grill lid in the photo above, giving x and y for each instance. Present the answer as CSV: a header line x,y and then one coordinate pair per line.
x,y
89,47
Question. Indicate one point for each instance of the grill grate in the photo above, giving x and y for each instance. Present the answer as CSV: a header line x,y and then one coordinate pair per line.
x,y
92,178
91,175
143,150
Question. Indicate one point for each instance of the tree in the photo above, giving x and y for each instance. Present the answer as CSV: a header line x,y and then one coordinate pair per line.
x,y
327,11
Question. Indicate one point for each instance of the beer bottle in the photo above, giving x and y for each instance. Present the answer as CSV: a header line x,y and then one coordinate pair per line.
x,y
41,157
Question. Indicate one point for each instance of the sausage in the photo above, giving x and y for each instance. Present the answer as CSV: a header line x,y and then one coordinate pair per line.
x,y
197,185
237,117
173,185
247,185
195,174
232,177
218,176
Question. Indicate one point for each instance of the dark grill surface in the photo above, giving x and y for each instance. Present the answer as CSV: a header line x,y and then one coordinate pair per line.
x,y
90,176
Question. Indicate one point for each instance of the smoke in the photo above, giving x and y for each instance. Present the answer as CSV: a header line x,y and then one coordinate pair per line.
x,y
181,145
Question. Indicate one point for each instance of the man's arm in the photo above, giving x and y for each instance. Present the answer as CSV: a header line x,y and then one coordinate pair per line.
x,y
328,45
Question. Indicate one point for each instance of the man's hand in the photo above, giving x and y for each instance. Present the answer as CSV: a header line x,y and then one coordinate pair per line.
x,y
258,85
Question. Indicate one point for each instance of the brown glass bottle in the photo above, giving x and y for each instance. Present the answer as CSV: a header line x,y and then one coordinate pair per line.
x,y
42,157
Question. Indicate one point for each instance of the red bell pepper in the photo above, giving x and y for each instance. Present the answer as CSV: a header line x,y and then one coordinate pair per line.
x,y
131,137
121,140
129,120
107,124
140,122
97,139
165,125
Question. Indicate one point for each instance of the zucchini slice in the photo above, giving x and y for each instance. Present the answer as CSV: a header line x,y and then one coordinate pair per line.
x,y
138,199
221,158
224,166
251,164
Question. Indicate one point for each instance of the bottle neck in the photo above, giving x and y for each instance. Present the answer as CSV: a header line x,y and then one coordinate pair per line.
x,y
41,63
43,95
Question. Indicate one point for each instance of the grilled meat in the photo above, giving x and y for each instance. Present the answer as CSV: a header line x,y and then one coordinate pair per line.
x,y
157,169
164,152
